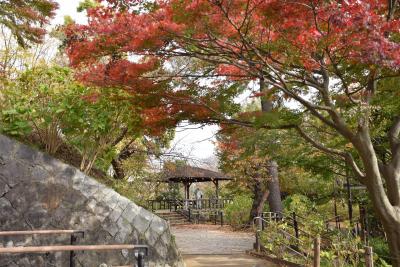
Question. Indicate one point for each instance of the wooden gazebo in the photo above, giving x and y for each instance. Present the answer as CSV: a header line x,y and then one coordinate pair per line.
x,y
187,175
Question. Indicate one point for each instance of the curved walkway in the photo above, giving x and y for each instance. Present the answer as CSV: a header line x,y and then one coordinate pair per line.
x,y
215,246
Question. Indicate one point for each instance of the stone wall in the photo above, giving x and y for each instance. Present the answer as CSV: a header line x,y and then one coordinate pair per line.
x,y
40,192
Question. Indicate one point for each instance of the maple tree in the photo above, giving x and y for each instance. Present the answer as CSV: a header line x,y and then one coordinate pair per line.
x,y
329,57
26,18
250,169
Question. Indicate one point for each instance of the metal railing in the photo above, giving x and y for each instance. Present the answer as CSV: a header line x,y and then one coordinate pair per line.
x,y
140,251
176,204
296,245
199,216
298,249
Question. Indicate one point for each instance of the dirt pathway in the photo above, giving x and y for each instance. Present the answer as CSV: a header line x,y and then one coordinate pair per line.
x,y
215,246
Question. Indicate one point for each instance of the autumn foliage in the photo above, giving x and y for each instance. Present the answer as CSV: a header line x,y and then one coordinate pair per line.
x,y
128,44
26,19
360,31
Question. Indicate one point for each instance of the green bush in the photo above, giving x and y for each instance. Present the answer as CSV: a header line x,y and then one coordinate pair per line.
x,y
381,248
237,213
298,203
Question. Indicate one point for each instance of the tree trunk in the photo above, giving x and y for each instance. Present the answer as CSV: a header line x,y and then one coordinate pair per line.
x,y
385,202
117,162
261,193
274,197
393,235
119,173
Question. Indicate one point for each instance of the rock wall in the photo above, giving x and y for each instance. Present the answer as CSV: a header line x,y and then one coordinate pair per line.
x,y
40,192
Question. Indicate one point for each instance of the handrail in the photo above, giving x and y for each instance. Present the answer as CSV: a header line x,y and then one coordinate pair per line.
x,y
297,252
290,223
46,249
43,249
335,217
71,248
288,234
73,237
40,232
259,230
294,246
301,217
292,236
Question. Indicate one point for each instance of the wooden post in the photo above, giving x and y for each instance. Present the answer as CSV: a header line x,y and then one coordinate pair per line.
x,y
295,225
258,235
317,252
349,199
187,193
262,221
222,218
335,204
364,225
369,257
216,188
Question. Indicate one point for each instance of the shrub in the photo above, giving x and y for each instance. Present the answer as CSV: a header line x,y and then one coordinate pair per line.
x,y
298,203
381,248
237,213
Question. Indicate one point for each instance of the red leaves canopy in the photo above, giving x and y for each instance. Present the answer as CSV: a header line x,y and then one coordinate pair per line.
x,y
127,41
293,31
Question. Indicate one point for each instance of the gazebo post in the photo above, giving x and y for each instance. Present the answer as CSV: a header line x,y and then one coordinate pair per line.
x,y
170,188
216,191
188,190
215,182
217,188
187,193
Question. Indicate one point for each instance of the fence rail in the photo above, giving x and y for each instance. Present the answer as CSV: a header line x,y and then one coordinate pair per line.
x,y
43,249
176,204
40,232
141,250
312,254
198,216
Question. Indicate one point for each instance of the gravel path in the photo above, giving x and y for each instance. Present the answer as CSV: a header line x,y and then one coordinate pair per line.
x,y
225,261
215,246
211,239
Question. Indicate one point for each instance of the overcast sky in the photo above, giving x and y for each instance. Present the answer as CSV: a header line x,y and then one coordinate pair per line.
x,y
191,140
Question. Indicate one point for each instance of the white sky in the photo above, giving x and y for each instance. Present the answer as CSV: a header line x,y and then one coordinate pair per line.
x,y
68,7
191,141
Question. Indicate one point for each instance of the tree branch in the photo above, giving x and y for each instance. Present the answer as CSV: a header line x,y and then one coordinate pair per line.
x,y
393,136
353,165
319,145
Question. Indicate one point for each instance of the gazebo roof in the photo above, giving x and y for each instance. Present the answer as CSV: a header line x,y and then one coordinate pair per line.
x,y
191,174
